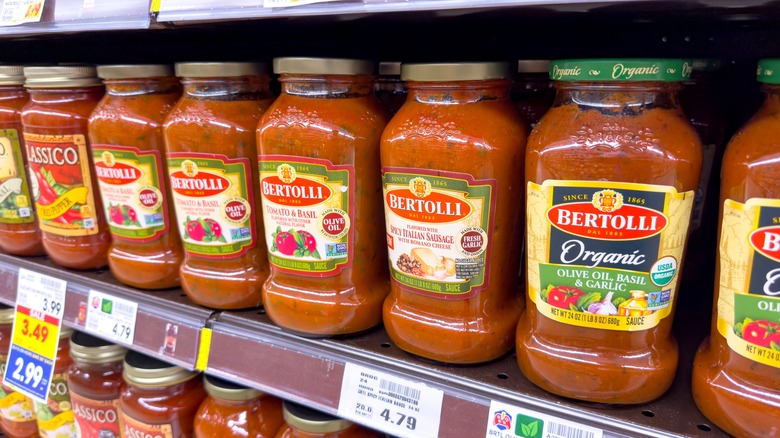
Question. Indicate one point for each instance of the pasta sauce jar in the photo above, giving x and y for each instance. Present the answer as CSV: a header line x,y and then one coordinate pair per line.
x,y
55,417
612,171
19,233
736,373
95,383
389,87
452,161
17,418
532,91
211,153
69,209
319,161
127,148
303,422
232,410
160,400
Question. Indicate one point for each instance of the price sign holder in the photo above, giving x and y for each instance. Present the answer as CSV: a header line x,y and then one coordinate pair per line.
x,y
40,301
389,403
111,317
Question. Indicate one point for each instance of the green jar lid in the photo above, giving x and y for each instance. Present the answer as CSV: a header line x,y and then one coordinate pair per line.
x,y
769,71
620,70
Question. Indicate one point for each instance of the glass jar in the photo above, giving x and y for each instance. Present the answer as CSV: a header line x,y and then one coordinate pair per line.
x,y
303,422
19,233
55,417
319,155
95,383
612,171
232,410
452,172
736,373
159,399
389,87
69,209
532,91
127,148
17,419
212,157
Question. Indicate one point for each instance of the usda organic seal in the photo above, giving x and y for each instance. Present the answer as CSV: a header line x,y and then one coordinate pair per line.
x,y
663,271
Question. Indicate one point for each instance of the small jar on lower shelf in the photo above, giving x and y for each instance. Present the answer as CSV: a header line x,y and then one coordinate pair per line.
x,y
232,410
303,422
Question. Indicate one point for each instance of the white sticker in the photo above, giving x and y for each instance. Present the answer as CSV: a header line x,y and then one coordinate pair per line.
x,y
388,403
41,292
111,317
290,3
507,421
21,11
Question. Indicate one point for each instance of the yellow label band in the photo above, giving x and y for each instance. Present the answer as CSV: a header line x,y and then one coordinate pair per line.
x,y
63,203
204,349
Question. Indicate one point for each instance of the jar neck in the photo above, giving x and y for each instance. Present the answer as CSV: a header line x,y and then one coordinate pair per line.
x,y
618,98
137,87
771,97
327,86
54,95
105,366
458,92
235,403
227,88
12,91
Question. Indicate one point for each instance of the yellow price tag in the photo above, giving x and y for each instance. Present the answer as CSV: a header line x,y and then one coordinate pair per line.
x,y
38,336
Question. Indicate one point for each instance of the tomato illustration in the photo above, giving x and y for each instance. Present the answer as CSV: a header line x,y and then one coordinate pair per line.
x,y
216,229
762,333
131,213
115,212
308,240
285,243
564,297
195,231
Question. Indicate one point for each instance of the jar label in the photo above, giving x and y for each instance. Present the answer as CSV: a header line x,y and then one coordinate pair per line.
x,y
212,195
132,428
132,192
15,202
62,184
96,418
749,300
55,417
14,406
605,255
439,230
307,208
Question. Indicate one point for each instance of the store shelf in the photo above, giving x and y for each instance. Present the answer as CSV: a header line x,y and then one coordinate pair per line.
x,y
86,15
155,309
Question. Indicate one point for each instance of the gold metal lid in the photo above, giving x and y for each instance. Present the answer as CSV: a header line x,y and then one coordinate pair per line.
x,y
65,332
11,75
390,68
323,66
219,69
134,71
312,421
461,71
533,66
225,390
89,349
148,372
61,77
6,314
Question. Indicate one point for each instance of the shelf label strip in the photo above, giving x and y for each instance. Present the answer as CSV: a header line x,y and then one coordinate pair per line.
x,y
507,421
21,11
111,317
389,403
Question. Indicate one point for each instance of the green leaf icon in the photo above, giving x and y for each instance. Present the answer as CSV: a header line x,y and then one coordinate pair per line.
x,y
530,430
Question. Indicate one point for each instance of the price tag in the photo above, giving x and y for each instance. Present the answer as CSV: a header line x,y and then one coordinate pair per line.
x,y
111,317
21,11
391,404
290,3
40,301
507,421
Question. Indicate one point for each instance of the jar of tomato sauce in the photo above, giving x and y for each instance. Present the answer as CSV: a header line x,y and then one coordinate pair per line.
x,y
160,399
231,410
532,91
389,87
611,171
452,161
17,419
212,157
55,417
95,383
19,233
736,373
69,209
127,148
319,162
303,422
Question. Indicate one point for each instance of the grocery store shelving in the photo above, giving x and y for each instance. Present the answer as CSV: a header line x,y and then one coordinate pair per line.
x,y
63,16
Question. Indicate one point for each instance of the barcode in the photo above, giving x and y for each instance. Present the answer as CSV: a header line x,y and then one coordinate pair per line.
x,y
50,282
123,308
89,223
566,431
400,389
